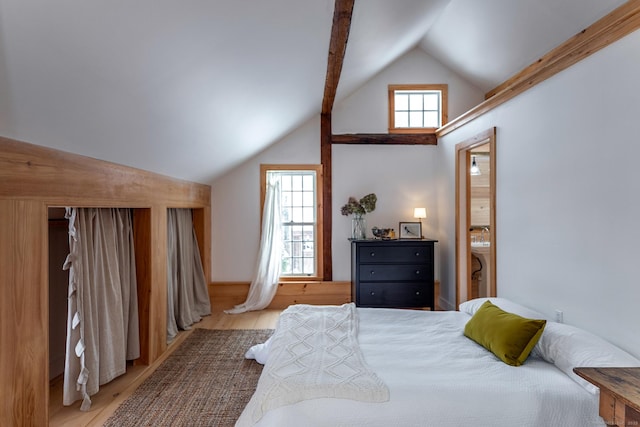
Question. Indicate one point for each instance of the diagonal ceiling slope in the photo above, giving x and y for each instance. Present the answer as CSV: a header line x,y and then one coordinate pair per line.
x,y
488,41
192,88
183,88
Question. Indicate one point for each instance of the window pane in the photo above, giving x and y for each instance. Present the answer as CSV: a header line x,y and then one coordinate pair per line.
x,y
308,249
309,266
297,214
307,182
286,266
296,232
297,266
286,214
431,119
296,199
415,102
285,180
308,199
415,119
297,248
401,102
307,214
308,231
402,120
296,184
431,101
285,199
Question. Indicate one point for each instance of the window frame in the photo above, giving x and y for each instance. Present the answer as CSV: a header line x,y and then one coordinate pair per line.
x,y
443,88
264,168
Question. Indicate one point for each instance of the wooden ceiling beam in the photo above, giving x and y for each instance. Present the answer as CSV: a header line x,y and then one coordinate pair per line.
x,y
342,13
386,138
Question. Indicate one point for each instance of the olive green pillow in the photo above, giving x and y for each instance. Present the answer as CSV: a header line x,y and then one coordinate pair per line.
x,y
507,335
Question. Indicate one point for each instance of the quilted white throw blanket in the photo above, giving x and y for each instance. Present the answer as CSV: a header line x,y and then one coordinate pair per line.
x,y
314,353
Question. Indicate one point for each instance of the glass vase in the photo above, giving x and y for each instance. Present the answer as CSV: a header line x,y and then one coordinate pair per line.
x,y
358,228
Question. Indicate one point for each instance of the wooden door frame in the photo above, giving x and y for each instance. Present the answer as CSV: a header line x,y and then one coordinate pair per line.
x,y
463,211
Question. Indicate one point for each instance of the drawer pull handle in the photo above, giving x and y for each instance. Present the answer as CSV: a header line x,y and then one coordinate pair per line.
x,y
372,254
373,293
417,253
417,292
417,272
372,272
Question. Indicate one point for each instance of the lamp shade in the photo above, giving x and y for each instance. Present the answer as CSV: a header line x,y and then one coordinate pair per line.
x,y
420,213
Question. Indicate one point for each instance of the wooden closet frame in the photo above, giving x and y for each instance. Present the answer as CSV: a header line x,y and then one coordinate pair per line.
x,y
35,178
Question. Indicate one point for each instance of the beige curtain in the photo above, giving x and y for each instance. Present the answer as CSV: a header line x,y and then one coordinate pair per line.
x,y
187,293
102,321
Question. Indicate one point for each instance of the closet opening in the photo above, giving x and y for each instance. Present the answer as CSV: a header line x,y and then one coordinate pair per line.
x,y
188,297
58,285
58,281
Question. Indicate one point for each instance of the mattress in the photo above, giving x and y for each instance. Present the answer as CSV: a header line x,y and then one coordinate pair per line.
x,y
438,377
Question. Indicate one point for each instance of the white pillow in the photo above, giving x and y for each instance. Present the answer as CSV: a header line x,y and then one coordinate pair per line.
x,y
568,347
259,352
470,307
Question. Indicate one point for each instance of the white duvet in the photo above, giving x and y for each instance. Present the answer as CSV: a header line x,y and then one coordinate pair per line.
x,y
438,377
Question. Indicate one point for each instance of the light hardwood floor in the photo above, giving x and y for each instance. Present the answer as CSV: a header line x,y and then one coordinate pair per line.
x,y
113,394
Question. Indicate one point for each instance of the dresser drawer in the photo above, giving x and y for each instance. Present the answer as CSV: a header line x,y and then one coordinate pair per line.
x,y
382,294
402,253
393,272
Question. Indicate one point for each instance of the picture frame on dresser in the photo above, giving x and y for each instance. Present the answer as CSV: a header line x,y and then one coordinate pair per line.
x,y
410,230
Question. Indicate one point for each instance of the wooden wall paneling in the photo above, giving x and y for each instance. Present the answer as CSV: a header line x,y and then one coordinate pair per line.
x,y
24,304
33,178
142,243
227,294
158,297
317,293
65,179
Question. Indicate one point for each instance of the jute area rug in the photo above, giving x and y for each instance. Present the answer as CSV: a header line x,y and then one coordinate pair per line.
x,y
206,381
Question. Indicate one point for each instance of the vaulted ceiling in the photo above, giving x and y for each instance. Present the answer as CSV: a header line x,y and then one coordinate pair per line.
x,y
192,88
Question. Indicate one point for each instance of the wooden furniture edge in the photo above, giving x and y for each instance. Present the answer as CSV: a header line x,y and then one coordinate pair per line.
x,y
601,378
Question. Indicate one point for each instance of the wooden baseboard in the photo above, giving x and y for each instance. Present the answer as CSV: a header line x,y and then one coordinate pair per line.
x,y
225,295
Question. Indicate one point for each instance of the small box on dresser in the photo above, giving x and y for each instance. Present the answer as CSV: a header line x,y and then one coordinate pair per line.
x,y
392,273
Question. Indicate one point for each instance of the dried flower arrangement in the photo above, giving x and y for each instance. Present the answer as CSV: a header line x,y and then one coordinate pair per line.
x,y
359,208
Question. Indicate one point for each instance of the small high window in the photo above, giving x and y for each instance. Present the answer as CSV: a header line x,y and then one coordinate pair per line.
x,y
417,108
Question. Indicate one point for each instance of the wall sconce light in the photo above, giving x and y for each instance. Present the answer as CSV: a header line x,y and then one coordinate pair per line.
x,y
420,213
474,170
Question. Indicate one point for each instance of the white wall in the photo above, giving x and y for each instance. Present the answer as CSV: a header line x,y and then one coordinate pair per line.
x,y
568,192
235,204
403,177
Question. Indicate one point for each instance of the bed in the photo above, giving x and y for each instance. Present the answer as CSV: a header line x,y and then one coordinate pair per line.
x,y
417,368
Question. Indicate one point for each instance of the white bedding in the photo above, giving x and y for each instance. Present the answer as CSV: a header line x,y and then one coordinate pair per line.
x,y
438,377
314,353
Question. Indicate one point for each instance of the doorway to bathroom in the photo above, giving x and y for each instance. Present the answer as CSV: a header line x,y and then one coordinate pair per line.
x,y
475,217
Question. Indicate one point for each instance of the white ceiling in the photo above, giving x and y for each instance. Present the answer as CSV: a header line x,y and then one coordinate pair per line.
x,y
192,88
